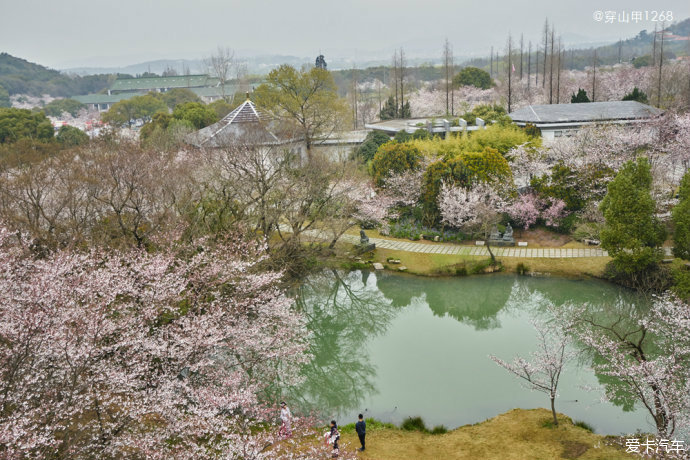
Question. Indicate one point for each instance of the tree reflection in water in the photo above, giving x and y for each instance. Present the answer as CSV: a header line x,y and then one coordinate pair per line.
x,y
343,311
346,310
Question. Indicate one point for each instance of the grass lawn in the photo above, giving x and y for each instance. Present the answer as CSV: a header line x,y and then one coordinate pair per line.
x,y
516,435
445,264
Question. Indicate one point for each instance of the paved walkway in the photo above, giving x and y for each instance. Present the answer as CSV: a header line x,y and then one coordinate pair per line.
x,y
453,249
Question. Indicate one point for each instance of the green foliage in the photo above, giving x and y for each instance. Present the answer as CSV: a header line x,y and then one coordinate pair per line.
x,y
575,187
70,136
124,112
4,98
177,96
16,124
402,136
473,76
642,61
464,169
58,106
499,137
584,425
221,107
587,231
581,96
391,110
489,113
308,97
522,269
632,233
421,134
681,220
394,158
636,95
414,424
681,280
372,425
196,113
439,429
371,144
532,130
164,131
19,76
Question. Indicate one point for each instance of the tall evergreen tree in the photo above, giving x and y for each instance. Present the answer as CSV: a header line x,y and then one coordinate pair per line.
x,y
632,233
681,221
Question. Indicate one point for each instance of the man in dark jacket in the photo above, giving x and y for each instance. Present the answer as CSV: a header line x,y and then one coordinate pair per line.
x,y
361,428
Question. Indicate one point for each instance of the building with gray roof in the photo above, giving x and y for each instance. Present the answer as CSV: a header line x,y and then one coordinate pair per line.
x,y
556,120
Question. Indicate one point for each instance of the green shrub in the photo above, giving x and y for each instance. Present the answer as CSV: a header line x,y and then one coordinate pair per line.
x,y
439,429
522,269
681,280
414,424
394,158
584,425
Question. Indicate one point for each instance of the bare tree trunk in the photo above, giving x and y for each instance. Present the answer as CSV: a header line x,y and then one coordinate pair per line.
x,y
594,77
661,63
446,67
551,68
546,51
402,81
529,68
536,66
553,410
522,47
558,78
510,71
491,63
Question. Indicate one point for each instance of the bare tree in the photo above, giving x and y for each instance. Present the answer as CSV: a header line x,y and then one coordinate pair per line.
x,y
594,76
220,66
509,48
536,66
661,63
522,47
402,82
544,372
529,64
448,71
551,61
546,51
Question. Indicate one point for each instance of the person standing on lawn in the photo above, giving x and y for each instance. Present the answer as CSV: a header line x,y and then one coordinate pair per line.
x,y
285,420
334,438
361,428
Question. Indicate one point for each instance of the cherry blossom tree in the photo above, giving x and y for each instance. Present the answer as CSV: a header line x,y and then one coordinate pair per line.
x,y
543,371
647,354
177,354
525,210
477,208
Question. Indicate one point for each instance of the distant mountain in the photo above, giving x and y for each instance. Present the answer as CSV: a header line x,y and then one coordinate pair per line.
x,y
19,76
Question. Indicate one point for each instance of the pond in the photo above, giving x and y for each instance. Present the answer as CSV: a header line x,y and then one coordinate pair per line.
x,y
393,345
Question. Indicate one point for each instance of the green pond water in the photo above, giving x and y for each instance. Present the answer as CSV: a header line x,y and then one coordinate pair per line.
x,y
393,346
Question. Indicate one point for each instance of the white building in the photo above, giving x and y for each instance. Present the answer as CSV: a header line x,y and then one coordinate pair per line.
x,y
557,120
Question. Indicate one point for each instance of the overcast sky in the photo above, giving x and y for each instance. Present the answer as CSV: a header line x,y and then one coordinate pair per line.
x,y
72,33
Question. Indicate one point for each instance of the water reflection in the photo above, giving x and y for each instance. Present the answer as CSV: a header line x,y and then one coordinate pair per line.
x,y
344,311
383,341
